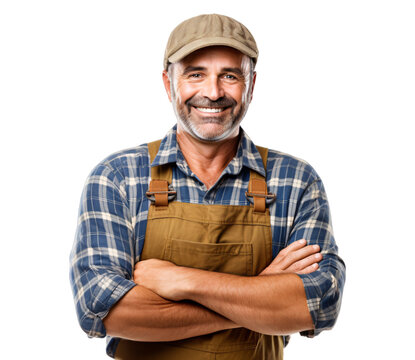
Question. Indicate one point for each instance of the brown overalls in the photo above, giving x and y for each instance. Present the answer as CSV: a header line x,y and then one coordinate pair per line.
x,y
222,238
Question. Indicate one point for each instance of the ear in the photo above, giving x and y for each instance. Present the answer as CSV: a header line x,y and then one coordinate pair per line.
x,y
253,85
167,83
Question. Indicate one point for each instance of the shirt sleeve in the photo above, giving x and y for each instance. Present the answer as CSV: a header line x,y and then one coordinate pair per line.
x,y
102,257
323,287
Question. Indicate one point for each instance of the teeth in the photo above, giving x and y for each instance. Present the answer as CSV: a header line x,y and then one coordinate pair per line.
x,y
210,110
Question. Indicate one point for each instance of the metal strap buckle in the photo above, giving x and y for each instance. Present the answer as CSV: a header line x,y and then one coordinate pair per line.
x,y
171,194
269,198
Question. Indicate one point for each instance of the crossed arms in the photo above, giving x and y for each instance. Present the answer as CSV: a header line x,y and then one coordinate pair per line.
x,y
109,303
172,302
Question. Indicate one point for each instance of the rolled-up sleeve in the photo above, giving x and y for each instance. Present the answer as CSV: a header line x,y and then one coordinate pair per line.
x,y
324,287
102,258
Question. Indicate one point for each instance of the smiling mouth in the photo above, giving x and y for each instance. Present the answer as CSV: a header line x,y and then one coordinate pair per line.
x,y
210,110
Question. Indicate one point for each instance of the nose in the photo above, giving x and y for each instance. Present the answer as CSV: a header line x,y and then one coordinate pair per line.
x,y
212,88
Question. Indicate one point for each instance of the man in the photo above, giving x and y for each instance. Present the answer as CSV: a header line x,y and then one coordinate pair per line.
x,y
203,245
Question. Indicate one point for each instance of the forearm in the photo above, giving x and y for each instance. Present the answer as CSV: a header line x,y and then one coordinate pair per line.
x,y
272,304
142,315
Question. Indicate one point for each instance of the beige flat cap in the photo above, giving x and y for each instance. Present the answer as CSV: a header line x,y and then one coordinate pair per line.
x,y
208,30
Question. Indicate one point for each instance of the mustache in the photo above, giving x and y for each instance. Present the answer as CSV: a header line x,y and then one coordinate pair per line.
x,y
198,101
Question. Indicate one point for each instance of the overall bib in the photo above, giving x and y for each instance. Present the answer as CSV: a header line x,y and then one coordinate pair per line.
x,y
222,238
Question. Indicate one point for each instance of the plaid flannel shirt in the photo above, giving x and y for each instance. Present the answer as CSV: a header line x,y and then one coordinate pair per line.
x,y
113,219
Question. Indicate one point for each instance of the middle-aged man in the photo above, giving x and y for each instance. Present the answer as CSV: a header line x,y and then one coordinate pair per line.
x,y
203,245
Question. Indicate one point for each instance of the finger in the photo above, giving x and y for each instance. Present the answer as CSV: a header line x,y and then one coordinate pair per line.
x,y
304,263
293,256
295,246
309,269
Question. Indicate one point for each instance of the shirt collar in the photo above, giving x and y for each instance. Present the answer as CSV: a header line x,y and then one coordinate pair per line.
x,y
168,149
247,154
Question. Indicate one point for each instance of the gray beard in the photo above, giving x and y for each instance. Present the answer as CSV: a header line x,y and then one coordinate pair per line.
x,y
187,125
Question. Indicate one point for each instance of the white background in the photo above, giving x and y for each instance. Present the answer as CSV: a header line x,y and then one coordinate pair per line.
x,y
335,86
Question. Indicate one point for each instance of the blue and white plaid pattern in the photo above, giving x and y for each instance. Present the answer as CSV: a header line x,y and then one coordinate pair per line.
x,y
113,219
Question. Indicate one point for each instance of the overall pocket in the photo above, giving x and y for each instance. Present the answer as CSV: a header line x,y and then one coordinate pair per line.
x,y
230,258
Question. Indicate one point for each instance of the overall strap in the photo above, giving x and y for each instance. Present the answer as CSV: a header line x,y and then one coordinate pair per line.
x,y
264,155
161,178
257,188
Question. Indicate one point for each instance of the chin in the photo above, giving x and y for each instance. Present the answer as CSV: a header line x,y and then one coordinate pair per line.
x,y
208,130
211,133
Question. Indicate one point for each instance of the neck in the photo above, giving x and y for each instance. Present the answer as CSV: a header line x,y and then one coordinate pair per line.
x,y
207,159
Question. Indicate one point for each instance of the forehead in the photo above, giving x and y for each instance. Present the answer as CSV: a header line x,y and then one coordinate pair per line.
x,y
214,56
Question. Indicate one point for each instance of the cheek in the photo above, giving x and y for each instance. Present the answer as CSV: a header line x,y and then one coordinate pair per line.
x,y
186,91
237,93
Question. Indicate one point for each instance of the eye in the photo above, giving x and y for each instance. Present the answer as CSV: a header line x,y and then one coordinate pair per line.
x,y
232,78
195,76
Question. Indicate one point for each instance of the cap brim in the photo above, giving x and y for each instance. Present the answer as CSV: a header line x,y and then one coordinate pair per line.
x,y
213,41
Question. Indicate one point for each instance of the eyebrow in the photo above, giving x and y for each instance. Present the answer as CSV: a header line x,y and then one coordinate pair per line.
x,y
234,70
190,69
237,71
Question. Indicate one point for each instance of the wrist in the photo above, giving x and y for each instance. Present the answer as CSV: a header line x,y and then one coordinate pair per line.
x,y
187,281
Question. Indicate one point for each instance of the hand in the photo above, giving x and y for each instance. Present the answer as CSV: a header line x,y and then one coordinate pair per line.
x,y
158,276
297,257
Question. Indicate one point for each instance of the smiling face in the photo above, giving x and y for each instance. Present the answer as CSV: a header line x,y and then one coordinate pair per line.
x,y
210,90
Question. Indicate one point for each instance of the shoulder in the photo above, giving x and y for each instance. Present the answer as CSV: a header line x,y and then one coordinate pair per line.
x,y
128,163
290,177
280,165
286,166
132,157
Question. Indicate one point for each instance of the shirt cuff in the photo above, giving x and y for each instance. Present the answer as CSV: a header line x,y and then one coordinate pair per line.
x,y
323,289
107,292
